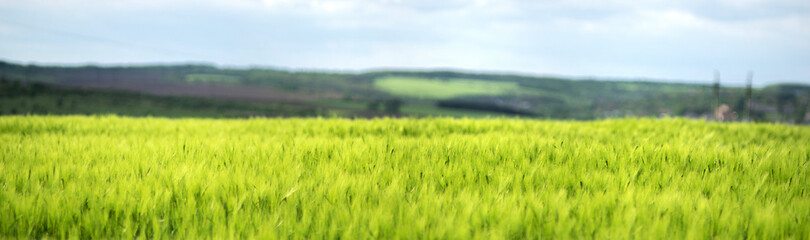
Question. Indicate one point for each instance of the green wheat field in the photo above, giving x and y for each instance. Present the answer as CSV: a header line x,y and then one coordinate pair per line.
x,y
101,177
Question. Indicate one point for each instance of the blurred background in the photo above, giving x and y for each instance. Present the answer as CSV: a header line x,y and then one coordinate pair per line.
x,y
743,60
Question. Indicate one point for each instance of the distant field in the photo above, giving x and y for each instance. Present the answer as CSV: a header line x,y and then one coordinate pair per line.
x,y
106,177
208,78
24,99
442,88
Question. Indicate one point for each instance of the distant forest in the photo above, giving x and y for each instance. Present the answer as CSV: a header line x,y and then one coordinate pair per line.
x,y
208,91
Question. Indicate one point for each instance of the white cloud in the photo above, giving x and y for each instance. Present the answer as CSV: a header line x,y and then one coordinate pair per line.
x,y
654,38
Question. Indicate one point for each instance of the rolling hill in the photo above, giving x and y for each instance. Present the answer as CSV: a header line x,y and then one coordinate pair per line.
x,y
385,93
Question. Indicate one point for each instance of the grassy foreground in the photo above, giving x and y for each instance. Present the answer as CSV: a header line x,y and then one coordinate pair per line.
x,y
113,177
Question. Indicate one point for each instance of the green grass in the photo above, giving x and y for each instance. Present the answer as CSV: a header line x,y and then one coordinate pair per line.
x,y
112,177
216,78
442,88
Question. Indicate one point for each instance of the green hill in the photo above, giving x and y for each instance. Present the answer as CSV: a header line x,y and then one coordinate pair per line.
x,y
414,93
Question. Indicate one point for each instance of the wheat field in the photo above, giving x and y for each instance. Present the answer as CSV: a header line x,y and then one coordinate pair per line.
x,y
434,178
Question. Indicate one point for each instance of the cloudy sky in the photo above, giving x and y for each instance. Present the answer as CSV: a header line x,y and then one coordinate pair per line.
x,y
667,40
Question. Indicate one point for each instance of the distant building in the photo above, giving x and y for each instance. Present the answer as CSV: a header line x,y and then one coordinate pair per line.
x,y
724,113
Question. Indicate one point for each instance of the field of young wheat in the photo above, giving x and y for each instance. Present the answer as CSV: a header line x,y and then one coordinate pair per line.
x,y
115,177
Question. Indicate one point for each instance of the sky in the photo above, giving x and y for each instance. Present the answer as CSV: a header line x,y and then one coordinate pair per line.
x,y
673,41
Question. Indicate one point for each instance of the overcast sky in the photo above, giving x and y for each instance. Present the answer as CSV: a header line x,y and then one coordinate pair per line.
x,y
669,40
